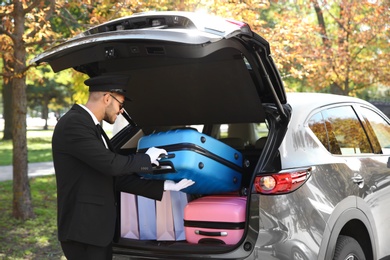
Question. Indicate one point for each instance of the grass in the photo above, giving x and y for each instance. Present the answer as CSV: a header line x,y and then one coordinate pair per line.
x,y
38,146
35,238
32,239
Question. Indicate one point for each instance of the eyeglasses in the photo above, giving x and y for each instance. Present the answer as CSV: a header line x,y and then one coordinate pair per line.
x,y
121,104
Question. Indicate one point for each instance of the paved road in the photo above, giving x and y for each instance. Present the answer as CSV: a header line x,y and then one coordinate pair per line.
x,y
34,169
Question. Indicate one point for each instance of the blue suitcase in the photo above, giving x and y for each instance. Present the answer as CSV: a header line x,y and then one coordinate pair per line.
x,y
214,166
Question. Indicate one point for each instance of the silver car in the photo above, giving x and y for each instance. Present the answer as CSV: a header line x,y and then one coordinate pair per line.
x,y
316,168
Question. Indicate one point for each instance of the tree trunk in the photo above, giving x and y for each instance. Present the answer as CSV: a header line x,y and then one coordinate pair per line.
x,y
22,204
7,107
45,112
336,89
321,23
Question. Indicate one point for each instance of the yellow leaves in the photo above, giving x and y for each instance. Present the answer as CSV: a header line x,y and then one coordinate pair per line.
x,y
357,32
80,90
297,73
7,56
356,39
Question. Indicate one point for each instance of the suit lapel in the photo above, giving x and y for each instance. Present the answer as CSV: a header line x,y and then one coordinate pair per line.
x,y
108,142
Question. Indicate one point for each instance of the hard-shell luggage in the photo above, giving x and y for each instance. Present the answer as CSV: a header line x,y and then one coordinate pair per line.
x,y
215,219
214,166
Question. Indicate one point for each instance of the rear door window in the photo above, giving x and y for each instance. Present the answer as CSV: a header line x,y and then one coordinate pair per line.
x,y
340,131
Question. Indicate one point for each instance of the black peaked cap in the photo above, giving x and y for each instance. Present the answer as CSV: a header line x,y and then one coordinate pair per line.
x,y
111,83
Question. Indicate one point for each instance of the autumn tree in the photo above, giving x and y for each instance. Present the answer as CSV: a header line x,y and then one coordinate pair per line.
x,y
26,26
6,91
330,46
355,36
22,22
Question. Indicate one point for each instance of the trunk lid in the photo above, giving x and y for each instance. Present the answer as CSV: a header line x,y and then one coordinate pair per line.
x,y
185,68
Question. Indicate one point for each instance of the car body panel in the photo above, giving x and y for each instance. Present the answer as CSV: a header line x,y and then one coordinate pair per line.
x,y
334,194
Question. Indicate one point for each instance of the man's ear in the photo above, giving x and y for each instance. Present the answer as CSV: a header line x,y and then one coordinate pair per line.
x,y
106,98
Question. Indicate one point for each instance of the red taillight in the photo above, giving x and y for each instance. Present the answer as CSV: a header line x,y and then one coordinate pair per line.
x,y
282,182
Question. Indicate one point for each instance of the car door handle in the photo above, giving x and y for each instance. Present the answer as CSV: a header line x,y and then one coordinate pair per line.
x,y
358,179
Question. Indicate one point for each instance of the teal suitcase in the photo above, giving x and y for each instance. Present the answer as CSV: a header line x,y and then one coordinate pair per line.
x,y
214,166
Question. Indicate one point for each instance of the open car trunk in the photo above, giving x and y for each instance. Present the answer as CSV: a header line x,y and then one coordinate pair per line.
x,y
249,139
186,71
174,236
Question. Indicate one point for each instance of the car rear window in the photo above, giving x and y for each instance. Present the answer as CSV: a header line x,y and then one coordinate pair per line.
x,y
380,127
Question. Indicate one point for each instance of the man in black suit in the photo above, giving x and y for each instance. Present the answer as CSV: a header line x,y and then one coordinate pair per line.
x,y
89,172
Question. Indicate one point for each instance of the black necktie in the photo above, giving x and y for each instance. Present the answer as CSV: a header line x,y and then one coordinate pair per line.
x,y
105,137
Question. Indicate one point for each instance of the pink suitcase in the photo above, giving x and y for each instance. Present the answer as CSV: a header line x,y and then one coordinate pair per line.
x,y
215,219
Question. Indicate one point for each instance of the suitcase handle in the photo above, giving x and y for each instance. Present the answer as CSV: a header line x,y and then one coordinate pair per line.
x,y
160,168
167,156
167,167
211,234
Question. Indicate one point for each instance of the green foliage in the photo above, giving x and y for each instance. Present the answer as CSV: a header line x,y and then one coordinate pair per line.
x,y
39,147
71,18
35,238
48,90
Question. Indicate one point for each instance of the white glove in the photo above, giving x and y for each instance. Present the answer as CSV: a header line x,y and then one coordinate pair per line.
x,y
171,185
154,154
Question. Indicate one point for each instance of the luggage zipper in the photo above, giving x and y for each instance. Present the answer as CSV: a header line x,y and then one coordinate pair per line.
x,y
214,224
200,150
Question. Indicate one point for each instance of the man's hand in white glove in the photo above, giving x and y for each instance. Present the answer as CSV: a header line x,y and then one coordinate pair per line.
x,y
154,154
171,185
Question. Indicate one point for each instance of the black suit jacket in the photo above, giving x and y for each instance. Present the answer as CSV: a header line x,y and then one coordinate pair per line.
x,y
88,175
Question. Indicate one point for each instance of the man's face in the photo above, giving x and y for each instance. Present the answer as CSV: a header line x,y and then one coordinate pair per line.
x,y
114,108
